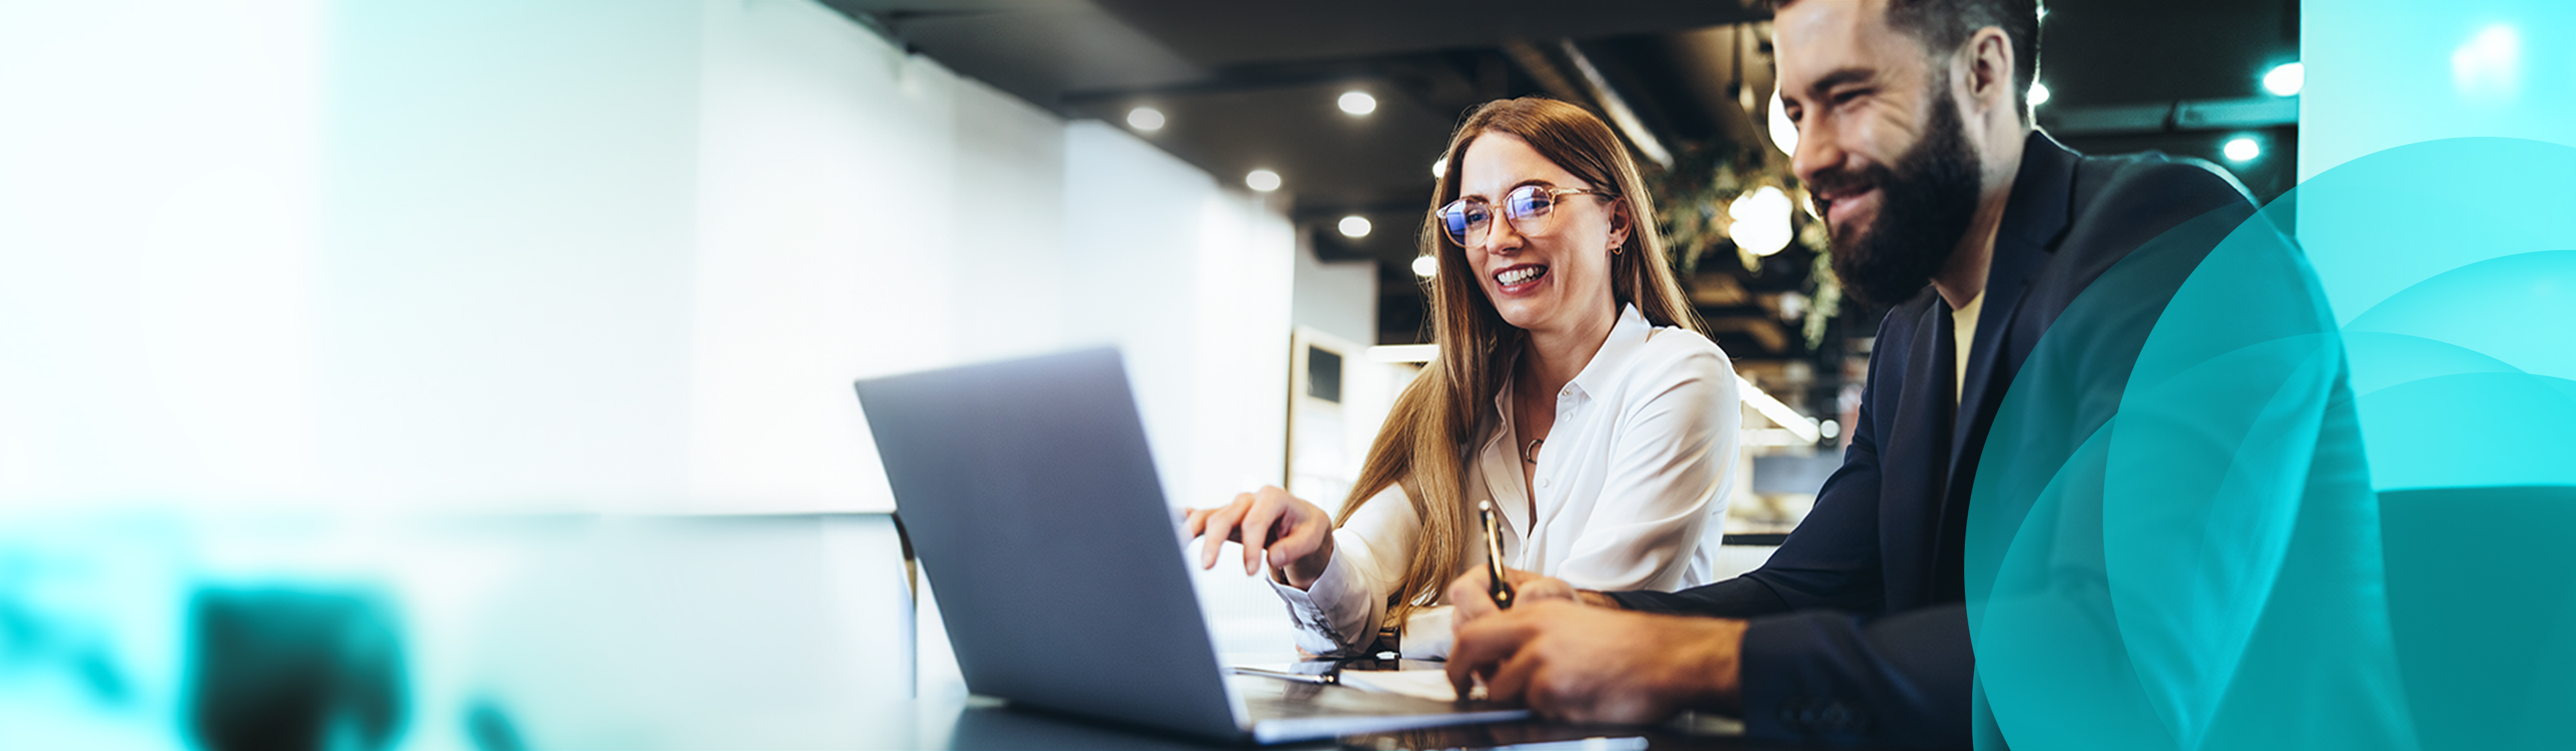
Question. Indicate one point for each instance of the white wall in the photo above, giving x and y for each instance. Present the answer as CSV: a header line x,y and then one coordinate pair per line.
x,y
510,202
1338,298
1200,305
609,256
158,250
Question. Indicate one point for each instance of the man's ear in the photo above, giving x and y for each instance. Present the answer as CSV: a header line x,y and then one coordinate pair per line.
x,y
1990,69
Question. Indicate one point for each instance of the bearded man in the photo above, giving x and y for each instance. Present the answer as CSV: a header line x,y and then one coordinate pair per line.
x,y
1916,141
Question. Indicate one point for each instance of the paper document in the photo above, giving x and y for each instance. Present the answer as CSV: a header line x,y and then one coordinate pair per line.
x,y
1426,684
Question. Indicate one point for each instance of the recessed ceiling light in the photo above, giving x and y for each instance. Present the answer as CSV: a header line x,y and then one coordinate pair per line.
x,y
2242,150
1425,266
1145,118
2285,79
1262,180
1440,168
1358,102
2038,93
1355,226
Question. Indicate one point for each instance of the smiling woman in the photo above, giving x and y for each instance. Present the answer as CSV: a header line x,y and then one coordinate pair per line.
x,y
1572,390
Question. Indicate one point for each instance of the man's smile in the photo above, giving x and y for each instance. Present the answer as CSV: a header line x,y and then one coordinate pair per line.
x,y
1843,209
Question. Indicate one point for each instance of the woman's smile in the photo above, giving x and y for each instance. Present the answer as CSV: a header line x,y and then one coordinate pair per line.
x,y
1519,279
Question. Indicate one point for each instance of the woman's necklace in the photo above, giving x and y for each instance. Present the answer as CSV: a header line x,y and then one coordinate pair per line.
x,y
1529,453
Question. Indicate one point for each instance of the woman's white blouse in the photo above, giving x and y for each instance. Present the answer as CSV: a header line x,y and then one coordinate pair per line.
x,y
1635,472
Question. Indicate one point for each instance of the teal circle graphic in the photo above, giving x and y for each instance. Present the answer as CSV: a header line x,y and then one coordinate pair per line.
x,y
2242,493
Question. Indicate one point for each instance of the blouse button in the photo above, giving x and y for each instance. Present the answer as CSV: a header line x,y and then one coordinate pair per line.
x,y
1542,482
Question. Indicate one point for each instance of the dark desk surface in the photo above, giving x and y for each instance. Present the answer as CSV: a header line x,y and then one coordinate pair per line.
x,y
982,723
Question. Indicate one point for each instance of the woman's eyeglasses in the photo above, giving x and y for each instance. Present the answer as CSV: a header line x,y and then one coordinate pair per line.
x,y
1468,220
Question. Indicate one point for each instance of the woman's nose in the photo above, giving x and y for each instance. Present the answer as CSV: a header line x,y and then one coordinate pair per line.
x,y
1502,238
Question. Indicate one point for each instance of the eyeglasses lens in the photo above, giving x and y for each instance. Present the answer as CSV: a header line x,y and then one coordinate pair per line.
x,y
1466,221
1528,206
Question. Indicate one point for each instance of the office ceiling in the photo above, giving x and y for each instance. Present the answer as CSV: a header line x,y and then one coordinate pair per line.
x,y
1253,85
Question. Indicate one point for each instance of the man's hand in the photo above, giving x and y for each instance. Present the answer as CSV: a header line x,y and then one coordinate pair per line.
x,y
1596,665
1468,594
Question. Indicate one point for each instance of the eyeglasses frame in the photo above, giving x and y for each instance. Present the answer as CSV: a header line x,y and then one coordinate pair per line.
x,y
1554,197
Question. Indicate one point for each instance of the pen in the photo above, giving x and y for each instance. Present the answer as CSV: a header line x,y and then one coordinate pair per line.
x,y
1500,590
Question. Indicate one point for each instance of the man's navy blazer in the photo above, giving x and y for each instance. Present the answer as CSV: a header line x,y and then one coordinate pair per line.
x,y
1859,630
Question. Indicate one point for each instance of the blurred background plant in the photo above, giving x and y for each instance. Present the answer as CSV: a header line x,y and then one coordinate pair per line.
x,y
1731,197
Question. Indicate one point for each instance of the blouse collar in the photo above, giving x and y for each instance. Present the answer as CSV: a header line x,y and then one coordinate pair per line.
x,y
1625,335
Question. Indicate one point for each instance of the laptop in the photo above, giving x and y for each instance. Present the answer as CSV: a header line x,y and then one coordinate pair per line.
x,y
1031,502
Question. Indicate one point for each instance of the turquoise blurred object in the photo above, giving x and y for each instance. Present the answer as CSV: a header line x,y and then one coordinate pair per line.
x,y
2310,500
295,670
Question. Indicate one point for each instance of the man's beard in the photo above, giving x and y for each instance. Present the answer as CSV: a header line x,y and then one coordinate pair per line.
x,y
1925,205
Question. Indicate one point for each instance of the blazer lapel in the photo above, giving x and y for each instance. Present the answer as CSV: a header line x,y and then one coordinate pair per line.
x,y
2007,282
2033,222
1914,464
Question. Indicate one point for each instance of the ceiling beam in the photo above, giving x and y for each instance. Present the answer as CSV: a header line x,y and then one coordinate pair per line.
x,y
1535,64
1616,107
2172,117
1255,78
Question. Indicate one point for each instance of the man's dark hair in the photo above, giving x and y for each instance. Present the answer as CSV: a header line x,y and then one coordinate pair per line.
x,y
1943,25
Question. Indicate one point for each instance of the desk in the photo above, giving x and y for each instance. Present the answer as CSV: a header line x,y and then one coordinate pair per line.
x,y
984,723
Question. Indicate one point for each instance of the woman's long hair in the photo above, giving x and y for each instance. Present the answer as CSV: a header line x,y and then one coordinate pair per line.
x,y
1425,442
